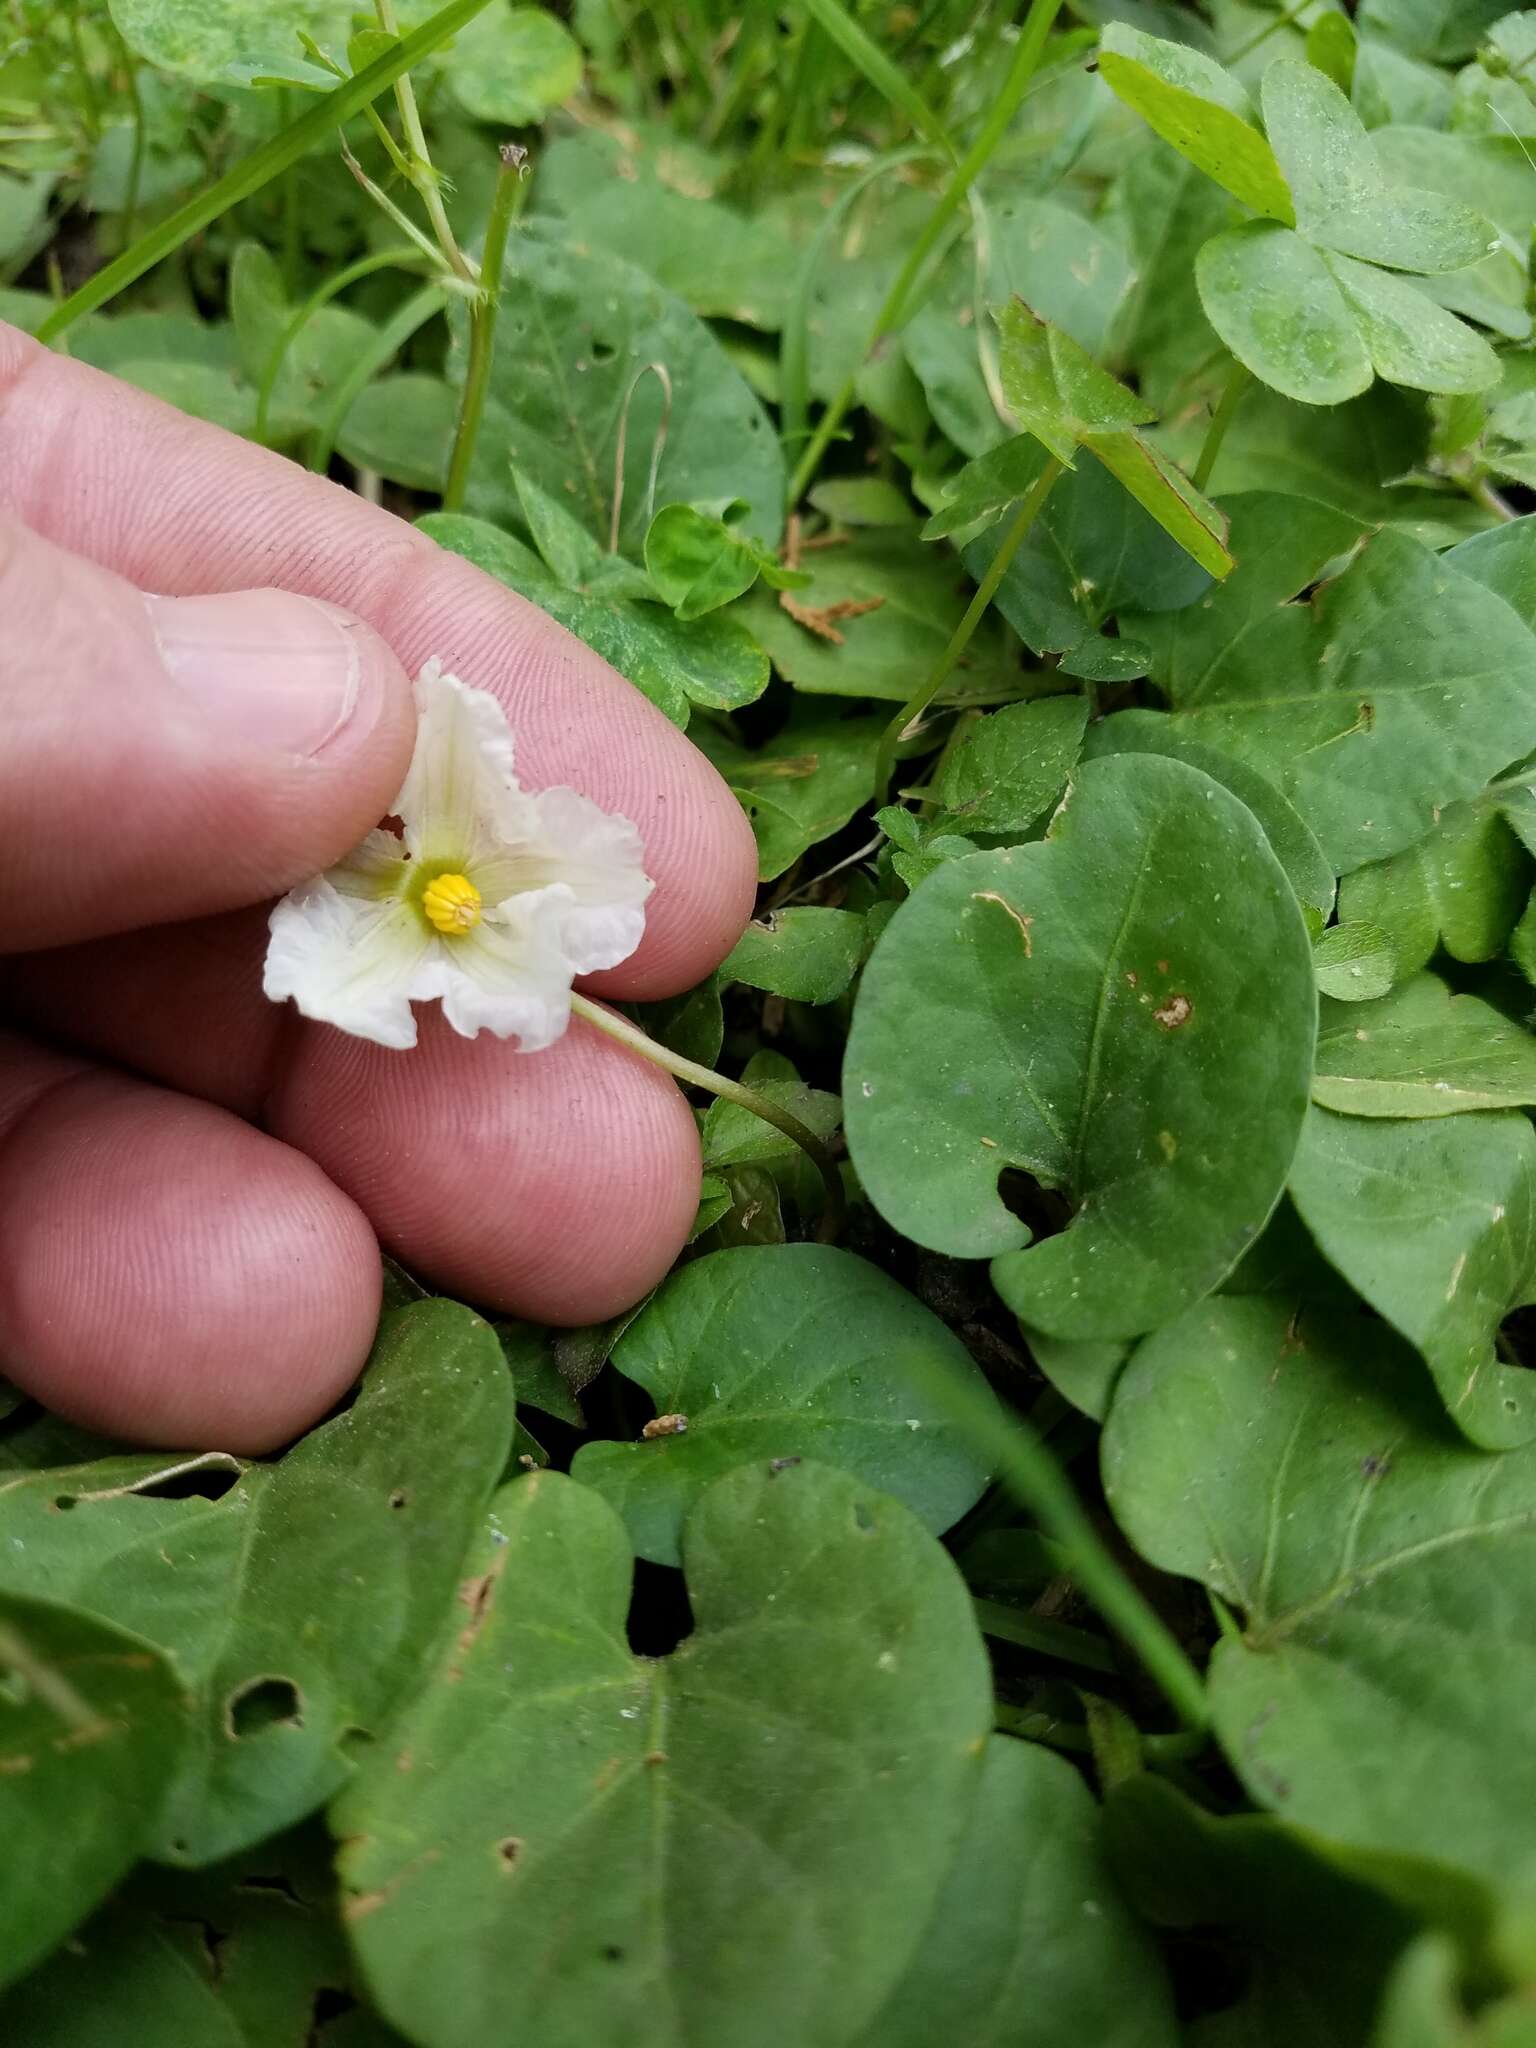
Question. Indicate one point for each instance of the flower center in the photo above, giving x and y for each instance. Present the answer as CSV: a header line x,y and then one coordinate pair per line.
x,y
452,905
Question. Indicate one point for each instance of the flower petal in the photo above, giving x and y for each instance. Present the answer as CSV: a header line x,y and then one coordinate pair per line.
x,y
510,977
460,773
376,868
593,857
349,961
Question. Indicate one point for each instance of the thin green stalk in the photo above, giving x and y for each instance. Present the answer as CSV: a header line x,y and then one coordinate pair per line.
x,y
1270,28
391,338
293,226
136,161
396,215
1231,397
254,172
421,172
891,84
1037,1482
381,259
90,102
1050,1638
631,1035
505,205
1026,56
794,345
1481,492
1029,510
1033,1726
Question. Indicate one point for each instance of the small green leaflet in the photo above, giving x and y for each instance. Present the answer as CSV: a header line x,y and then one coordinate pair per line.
x,y
1421,1051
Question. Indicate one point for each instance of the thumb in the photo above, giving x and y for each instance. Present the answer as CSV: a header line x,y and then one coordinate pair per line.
x,y
165,757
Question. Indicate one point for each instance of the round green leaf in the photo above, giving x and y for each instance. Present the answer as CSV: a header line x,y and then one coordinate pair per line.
x,y
740,1842
233,42
1125,1010
1434,1221
512,64
809,955
786,1351
92,1721
1031,1945
1277,306
1381,1566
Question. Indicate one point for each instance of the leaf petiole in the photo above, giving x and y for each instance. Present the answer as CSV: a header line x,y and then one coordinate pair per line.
x,y
635,1039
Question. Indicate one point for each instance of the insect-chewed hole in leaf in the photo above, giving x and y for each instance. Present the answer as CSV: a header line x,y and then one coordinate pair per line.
x,y
659,1614
1045,1210
612,1953
508,1850
603,352
399,1498
354,1742
210,1938
263,1703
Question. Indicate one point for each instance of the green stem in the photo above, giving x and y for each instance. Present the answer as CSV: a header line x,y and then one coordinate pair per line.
x,y
1026,57
696,1076
422,174
396,215
505,205
293,226
1237,383
1481,492
391,338
1033,1726
136,161
1280,21
381,259
1037,1482
90,103
959,640
258,170
1050,1638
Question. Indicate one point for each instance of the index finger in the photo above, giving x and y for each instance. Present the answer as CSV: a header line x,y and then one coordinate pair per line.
x,y
183,508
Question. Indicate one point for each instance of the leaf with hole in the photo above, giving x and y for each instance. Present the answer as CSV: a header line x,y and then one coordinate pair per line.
x,y
787,1352
577,1833
1124,1010
809,955
1434,1221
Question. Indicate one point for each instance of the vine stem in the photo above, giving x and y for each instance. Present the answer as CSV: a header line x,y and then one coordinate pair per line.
x,y
422,174
1026,58
380,259
1231,397
421,307
899,727
505,204
635,1039
1029,1472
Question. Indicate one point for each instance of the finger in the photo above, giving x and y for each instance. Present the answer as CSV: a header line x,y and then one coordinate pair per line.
x,y
168,1274
179,506
558,1185
166,757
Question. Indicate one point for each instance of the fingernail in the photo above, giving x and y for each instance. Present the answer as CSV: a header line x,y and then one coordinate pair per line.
x,y
267,666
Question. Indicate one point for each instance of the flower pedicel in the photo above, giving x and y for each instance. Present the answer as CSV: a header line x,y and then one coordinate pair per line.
x,y
490,899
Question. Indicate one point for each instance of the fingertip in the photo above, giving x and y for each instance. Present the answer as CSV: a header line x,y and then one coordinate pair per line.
x,y
171,1276
559,1186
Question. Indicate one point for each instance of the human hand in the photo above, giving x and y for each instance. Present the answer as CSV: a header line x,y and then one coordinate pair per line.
x,y
188,1248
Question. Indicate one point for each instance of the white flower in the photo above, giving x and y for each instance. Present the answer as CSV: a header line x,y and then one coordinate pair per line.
x,y
490,899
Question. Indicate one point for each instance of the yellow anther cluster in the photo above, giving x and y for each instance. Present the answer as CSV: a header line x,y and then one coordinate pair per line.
x,y
452,905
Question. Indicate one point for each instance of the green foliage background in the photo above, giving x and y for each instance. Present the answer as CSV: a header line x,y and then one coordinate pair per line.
x,y
1071,473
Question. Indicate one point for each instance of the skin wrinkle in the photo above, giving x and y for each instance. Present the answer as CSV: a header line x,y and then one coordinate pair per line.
x,y
559,1185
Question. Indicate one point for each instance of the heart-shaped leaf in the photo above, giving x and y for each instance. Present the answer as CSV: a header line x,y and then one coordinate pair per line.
x,y
786,1351
1434,1222
1304,1469
1031,1945
1125,1010
563,1829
